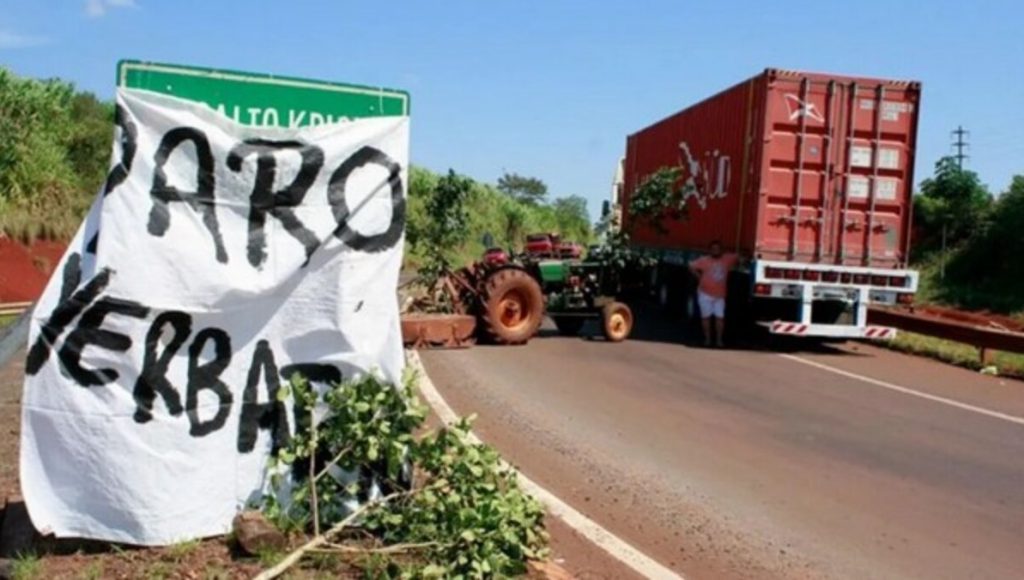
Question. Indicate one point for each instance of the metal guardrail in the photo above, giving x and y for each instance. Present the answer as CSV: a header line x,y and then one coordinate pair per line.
x,y
985,338
14,308
14,336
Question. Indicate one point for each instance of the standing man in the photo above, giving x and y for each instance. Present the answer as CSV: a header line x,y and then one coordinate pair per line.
x,y
712,271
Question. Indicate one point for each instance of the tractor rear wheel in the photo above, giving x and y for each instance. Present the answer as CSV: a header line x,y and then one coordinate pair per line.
x,y
617,321
512,306
568,325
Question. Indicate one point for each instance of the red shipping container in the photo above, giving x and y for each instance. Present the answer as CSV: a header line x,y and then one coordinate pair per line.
x,y
803,167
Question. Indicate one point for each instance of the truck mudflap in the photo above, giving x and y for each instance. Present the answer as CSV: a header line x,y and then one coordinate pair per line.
x,y
830,330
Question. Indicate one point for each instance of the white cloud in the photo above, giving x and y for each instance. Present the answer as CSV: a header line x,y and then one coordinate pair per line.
x,y
97,8
10,39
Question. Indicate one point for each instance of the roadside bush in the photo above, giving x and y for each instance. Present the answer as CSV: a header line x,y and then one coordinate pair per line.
x,y
53,156
988,270
952,204
445,499
504,218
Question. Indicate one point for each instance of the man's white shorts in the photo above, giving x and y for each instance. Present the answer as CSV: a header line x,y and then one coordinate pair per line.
x,y
710,305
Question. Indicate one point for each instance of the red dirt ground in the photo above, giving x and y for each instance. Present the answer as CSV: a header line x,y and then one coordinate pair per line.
x,y
24,270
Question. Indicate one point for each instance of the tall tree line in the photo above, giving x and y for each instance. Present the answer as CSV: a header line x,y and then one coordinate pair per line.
x,y
969,242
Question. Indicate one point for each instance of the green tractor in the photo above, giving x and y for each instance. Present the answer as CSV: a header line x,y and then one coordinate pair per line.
x,y
510,297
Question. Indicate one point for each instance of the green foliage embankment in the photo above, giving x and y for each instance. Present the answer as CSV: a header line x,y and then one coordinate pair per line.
x,y
980,264
56,147
54,151
506,218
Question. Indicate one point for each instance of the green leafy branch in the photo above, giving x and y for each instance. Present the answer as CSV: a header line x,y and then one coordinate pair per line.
x,y
441,496
659,197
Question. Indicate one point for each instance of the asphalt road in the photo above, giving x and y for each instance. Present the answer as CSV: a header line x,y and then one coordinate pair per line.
x,y
746,463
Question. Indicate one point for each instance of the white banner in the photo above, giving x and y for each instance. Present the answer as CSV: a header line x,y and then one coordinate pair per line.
x,y
219,260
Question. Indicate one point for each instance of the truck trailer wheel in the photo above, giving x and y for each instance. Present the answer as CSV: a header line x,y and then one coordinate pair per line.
x,y
568,325
617,321
513,307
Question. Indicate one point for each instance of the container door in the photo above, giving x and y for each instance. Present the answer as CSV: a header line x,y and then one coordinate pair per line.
x,y
801,142
838,167
874,173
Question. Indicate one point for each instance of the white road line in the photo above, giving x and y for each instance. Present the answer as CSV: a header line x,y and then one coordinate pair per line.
x,y
588,528
906,390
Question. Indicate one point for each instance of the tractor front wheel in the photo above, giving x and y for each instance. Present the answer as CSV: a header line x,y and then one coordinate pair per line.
x,y
617,321
512,306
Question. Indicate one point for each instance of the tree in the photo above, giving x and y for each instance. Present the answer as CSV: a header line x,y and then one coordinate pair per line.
x,y
524,189
447,226
1006,243
513,218
951,206
421,187
988,271
572,217
573,206
89,144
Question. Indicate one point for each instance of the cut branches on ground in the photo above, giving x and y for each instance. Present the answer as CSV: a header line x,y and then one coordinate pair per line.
x,y
360,461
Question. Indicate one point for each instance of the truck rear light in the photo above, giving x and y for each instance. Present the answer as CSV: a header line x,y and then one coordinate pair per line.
x,y
861,278
898,281
812,275
762,289
905,298
880,280
773,273
847,278
830,276
792,274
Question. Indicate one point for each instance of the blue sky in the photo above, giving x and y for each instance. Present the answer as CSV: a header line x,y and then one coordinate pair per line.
x,y
550,88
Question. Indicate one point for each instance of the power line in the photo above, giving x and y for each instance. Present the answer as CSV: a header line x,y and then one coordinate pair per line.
x,y
960,144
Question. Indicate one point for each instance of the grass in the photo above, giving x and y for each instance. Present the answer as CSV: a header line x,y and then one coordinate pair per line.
x,y
93,572
322,561
957,353
270,557
933,290
178,552
26,567
159,571
1004,297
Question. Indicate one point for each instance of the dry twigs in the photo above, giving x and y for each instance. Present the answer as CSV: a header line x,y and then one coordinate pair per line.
x,y
322,539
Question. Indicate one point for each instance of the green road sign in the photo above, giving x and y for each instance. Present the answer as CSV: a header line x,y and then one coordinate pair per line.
x,y
265,100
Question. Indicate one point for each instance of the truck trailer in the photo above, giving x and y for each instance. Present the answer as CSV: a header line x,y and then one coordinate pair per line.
x,y
809,176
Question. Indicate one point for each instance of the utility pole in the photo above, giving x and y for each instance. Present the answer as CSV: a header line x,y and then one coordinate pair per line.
x,y
960,144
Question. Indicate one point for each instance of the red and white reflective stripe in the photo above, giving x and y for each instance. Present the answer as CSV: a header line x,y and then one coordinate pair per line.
x,y
878,332
789,328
